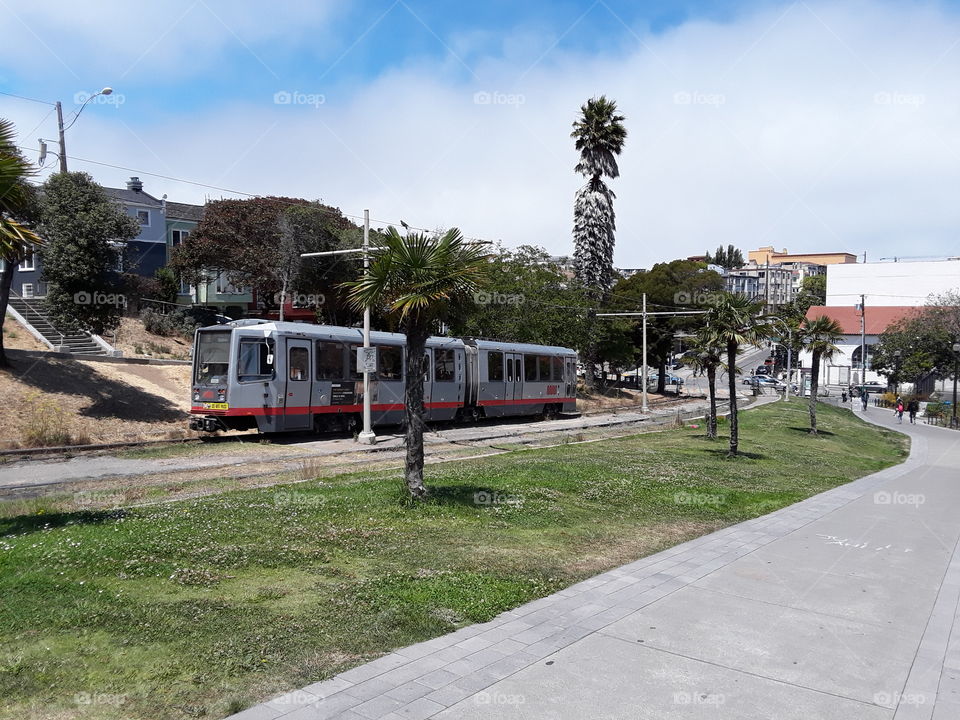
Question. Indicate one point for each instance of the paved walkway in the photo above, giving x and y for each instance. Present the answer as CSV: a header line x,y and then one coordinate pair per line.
x,y
841,606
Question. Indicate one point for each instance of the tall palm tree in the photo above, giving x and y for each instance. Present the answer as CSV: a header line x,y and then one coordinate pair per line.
x,y
599,134
735,322
820,337
707,357
416,278
16,239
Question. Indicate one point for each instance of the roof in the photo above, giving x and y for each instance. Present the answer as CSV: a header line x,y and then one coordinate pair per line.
x,y
878,318
184,211
138,197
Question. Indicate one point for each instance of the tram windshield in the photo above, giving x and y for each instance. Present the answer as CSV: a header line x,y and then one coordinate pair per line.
x,y
213,357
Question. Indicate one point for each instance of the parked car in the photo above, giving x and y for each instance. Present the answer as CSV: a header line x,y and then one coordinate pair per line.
x,y
764,370
763,381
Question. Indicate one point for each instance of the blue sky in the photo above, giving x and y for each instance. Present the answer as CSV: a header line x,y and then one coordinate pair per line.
x,y
808,125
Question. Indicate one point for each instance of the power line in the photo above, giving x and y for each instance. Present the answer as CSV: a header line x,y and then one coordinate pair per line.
x,y
24,97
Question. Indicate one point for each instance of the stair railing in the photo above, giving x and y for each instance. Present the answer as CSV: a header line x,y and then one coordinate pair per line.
x,y
15,294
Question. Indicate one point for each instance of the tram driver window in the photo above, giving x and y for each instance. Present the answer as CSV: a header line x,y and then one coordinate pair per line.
x,y
299,363
444,369
256,359
495,366
390,360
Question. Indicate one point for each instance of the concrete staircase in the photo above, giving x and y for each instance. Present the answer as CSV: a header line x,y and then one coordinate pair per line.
x,y
34,313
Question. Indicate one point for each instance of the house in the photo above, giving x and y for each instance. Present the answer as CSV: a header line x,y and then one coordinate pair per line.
x,y
773,285
147,252
765,255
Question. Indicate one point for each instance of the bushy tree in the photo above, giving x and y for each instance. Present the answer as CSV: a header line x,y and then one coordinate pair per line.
x,y
84,232
728,258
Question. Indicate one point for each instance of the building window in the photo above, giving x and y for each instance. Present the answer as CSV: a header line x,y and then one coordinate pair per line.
x,y
29,262
26,290
143,217
178,236
225,287
118,262
495,366
444,369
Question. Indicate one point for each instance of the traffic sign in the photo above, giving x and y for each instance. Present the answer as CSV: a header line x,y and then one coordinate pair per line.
x,y
367,359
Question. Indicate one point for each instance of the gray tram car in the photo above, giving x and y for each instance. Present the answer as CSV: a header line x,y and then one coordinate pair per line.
x,y
281,376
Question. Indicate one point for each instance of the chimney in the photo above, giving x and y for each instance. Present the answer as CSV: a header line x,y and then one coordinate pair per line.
x,y
135,184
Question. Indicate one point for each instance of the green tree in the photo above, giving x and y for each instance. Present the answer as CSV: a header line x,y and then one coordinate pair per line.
x,y
168,287
820,337
17,209
417,278
707,356
736,322
525,297
729,259
84,231
599,135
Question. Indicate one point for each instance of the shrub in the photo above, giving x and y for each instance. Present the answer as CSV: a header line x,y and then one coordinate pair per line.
x,y
45,424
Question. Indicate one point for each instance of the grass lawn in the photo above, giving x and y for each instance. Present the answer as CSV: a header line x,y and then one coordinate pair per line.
x,y
195,609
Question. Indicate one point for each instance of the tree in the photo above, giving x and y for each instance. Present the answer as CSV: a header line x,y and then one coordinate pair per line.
x,y
418,278
84,232
599,134
525,297
820,337
17,207
707,355
735,321
728,259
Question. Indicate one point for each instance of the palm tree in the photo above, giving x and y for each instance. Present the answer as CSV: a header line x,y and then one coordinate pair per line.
x,y
820,337
707,357
599,134
735,321
16,240
416,279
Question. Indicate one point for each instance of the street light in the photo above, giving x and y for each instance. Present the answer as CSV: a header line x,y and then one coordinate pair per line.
x,y
62,129
786,390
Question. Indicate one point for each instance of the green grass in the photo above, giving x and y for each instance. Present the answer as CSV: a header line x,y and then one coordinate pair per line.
x,y
200,608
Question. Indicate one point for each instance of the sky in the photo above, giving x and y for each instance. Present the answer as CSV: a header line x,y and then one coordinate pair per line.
x,y
811,126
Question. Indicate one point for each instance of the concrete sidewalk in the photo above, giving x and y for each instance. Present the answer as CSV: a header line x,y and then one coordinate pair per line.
x,y
841,606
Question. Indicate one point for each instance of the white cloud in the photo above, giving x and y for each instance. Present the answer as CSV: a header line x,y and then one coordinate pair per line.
x,y
811,127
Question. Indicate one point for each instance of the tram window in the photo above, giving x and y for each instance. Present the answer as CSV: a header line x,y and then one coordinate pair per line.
x,y
329,360
255,361
557,365
530,368
509,370
352,352
543,362
426,367
213,357
444,369
495,366
390,361
299,363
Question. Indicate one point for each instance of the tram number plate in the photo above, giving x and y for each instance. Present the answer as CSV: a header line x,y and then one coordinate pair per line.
x,y
216,406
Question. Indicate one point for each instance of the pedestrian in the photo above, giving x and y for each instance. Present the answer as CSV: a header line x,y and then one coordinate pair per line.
x,y
913,407
843,396
863,398
899,411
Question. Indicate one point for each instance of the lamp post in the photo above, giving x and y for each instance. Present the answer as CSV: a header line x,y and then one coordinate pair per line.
x,y
61,129
956,371
786,390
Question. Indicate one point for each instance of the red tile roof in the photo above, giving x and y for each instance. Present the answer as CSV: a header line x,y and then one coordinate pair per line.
x,y
878,318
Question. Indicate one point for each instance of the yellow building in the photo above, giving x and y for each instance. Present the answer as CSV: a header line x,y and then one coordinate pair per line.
x,y
775,257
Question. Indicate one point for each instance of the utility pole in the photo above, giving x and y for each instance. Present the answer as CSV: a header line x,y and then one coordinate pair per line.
x,y
644,407
863,338
367,437
63,142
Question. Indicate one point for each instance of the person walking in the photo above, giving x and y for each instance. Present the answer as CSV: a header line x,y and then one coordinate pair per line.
x,y
899,411
843,396
863,399
913,407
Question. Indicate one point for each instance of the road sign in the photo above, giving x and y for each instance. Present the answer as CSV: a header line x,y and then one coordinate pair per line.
x,y
366,359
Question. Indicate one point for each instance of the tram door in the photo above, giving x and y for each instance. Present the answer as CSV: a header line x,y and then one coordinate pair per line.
x,y
297,415
514,390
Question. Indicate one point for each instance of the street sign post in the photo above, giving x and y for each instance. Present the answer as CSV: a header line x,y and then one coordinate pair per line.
x,y
366,359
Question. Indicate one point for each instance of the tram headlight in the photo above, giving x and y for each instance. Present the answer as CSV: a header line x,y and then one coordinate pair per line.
x,y
196,395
